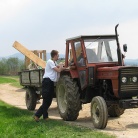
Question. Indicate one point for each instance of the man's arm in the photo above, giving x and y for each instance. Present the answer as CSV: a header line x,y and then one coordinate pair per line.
x,y
59,68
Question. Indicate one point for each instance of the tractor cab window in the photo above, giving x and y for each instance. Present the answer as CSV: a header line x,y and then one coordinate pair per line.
x,y
79,54
101,50
91,51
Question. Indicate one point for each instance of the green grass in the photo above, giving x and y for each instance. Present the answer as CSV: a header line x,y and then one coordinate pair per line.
x,y
13,80
18,123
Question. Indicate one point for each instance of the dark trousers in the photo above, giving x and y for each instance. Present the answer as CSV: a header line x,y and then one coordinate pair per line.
x,y
47,95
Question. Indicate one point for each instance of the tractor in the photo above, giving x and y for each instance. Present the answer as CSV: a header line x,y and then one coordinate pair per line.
x,y
96,74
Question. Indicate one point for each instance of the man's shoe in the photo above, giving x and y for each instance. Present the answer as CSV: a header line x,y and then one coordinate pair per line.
x,y
36,118
46,119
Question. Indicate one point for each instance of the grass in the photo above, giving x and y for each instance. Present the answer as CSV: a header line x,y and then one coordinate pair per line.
x,y
13,80
18,123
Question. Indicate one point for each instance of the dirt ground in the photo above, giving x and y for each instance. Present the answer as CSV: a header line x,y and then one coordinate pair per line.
x,y
125,126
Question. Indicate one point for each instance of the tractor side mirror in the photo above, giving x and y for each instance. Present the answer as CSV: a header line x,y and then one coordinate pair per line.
x,y
125,47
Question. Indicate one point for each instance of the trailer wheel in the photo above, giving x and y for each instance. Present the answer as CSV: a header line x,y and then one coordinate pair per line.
x,y
30,99
99,113
115,111
68,98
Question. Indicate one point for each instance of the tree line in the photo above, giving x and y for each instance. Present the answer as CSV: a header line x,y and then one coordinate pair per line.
x,y
11,66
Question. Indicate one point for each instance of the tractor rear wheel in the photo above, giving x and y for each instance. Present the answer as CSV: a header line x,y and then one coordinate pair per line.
x,y
68,98
99,113
30,99
115,111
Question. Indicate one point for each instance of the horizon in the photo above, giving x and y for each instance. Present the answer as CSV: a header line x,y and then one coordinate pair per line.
x,y
17,54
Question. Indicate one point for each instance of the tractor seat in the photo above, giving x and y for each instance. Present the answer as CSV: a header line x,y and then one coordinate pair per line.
x,y
91,56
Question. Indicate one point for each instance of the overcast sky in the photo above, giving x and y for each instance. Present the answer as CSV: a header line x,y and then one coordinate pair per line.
x,y
46,24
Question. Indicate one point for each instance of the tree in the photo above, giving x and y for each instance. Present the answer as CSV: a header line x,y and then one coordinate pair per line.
x,y
11,66
3,66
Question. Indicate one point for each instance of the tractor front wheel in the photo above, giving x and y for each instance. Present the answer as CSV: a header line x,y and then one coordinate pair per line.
x,y
99,113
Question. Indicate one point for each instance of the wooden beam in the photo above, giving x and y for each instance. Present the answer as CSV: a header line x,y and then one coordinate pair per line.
x,y
27,62
29,54
44,55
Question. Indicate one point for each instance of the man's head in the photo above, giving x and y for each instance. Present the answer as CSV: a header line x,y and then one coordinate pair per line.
x,y
54,55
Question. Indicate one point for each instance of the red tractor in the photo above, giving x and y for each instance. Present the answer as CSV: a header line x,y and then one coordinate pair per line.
x,y
96,74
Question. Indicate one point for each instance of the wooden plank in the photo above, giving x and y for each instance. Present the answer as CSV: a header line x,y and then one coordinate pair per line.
x,y
39,53
29,54
44,55
27,61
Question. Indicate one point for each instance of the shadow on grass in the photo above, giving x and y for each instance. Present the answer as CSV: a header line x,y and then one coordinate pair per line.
x,y
17,122
23,119
12,112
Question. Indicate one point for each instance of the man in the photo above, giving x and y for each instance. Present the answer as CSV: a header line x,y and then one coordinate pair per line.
x,y
50,76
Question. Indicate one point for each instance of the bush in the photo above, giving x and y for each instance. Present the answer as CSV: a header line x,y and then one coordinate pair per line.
x,y
11,66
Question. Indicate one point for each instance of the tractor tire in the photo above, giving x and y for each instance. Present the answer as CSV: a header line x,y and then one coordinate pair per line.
x,y
68,98
99,112
115,111
30,99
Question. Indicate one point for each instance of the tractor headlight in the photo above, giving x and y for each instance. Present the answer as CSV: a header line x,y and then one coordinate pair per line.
x,y
124,79
134,79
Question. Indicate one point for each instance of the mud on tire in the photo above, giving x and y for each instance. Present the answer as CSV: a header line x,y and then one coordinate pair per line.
x,y
68,98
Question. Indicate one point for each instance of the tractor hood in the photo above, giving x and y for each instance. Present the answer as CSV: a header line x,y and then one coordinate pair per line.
x,y
114,68
110,72
116,75
105,69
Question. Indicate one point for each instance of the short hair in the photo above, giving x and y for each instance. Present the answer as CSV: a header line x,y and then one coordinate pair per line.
x,y
53,53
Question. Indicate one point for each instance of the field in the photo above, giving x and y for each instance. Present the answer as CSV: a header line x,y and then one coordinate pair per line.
x,y
13,80
18,123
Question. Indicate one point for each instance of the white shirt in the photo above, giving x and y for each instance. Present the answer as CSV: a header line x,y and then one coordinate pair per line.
x,y
50,72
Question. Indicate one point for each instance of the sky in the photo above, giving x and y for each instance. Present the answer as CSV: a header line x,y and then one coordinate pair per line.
x,y
46,24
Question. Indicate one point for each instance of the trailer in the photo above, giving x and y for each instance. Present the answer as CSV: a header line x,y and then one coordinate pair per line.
x,y
32,81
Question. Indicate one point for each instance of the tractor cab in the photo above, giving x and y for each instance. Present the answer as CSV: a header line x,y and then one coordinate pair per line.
x,y
87,53
96,74
93,49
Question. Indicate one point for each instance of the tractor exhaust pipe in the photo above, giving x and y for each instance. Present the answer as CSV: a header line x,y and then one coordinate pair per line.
x,y
119,54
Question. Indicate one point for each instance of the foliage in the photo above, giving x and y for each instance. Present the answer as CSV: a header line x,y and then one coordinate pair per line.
x,y
11,66
3,66
18,123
